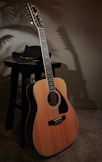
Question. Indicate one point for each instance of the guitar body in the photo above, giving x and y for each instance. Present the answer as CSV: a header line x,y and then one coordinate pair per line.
x,y
55,127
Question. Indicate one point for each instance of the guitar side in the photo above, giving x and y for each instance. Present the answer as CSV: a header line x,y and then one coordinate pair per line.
x,y
31,115
51,139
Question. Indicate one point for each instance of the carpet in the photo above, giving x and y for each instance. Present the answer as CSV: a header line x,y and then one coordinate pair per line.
x,y
87,147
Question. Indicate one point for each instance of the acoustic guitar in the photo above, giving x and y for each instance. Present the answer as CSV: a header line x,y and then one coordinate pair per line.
x,y
55,125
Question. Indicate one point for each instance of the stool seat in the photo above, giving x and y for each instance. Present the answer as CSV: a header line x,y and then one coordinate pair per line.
x,y
33,66
26,69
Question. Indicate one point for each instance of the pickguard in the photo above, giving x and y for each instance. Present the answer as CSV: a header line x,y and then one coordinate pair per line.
x,y
63,107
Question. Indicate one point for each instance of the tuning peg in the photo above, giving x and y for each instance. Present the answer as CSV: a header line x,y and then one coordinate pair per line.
x,y
35,8
31,22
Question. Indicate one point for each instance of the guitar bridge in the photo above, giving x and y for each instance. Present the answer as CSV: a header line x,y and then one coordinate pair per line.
x,y
56,121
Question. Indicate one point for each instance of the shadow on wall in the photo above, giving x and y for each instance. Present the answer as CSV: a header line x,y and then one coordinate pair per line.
x,y
76,88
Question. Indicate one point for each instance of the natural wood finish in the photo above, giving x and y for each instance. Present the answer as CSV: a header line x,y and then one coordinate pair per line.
x,y
49,140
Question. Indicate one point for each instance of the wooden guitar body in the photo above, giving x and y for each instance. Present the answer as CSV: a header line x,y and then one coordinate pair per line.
x,y
55,126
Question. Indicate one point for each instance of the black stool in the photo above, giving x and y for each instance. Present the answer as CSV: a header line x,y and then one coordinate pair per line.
x,y
26,69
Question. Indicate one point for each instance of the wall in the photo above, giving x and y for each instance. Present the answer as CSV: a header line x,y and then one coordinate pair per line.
x,y
74,35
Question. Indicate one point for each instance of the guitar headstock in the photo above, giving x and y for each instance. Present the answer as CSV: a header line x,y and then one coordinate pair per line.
x,y
34,15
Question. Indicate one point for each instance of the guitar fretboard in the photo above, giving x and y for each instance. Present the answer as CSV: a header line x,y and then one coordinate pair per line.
x,y
46,58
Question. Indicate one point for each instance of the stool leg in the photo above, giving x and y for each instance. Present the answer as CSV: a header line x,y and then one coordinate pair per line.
x,y
24,111
12,99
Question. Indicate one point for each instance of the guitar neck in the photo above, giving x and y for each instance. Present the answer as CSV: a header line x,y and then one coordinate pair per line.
x,y
46,58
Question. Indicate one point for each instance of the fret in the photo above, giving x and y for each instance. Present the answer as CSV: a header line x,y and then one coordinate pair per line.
x,y
49,71
50,80
50,76
46,59
51,84
51,88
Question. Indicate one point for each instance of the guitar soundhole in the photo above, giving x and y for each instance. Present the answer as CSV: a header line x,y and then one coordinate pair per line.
x,y
53,98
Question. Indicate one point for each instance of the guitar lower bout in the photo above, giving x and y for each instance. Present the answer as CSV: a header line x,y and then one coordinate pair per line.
x,y
56,124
